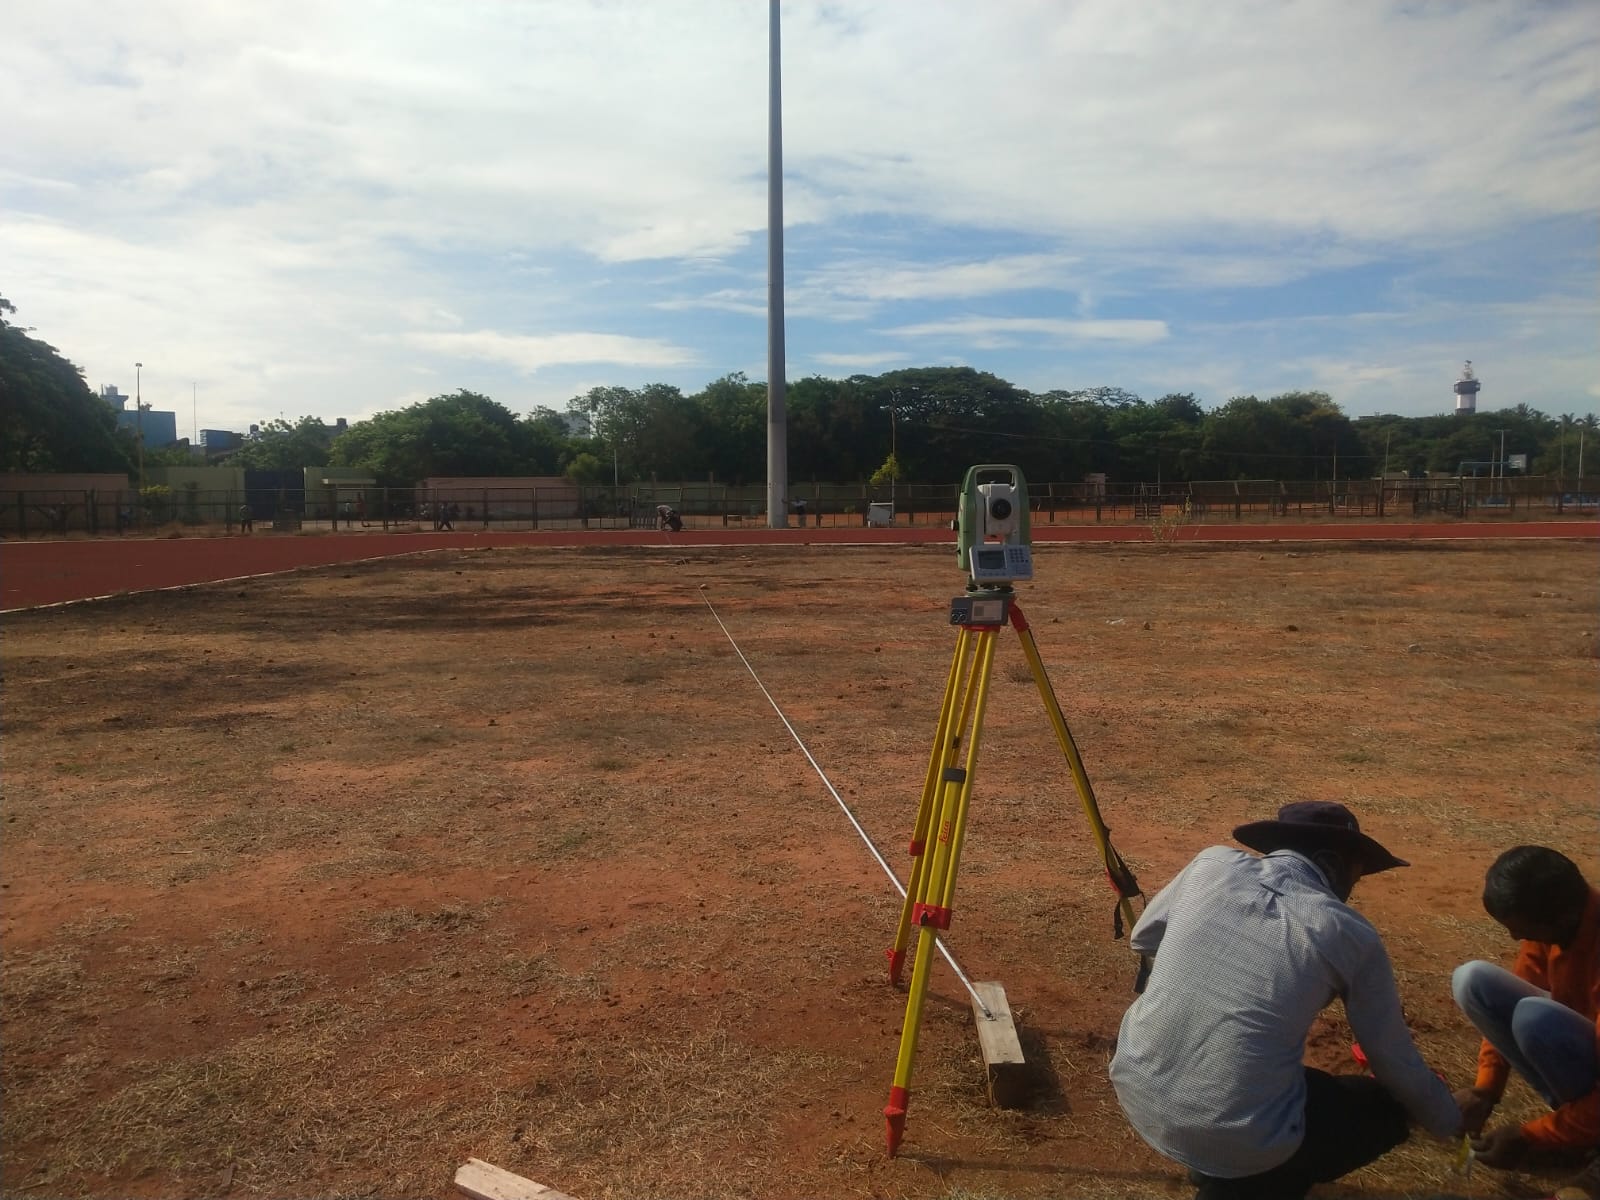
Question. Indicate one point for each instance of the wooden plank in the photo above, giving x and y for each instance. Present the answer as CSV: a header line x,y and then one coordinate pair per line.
x,y
1002,1050
485,1181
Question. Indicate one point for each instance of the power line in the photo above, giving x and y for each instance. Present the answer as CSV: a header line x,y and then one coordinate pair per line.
x,y
1174,450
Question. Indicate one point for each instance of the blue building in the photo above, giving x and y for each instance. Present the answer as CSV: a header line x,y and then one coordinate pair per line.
x,y
159,428
218,441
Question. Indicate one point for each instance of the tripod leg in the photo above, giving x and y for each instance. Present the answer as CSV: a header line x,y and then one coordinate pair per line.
x,y
945,741
931,912
984,669
1122,880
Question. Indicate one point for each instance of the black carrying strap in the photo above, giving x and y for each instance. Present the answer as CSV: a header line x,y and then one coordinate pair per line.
x,y
1126,885
1143,975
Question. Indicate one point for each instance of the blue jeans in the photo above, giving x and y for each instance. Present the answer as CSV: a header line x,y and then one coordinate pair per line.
x,y
1545,1042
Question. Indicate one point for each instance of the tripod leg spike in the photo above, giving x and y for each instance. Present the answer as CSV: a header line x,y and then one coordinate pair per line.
x,y
894,1114
897,961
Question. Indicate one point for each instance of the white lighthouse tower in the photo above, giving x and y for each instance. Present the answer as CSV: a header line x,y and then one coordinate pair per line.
x,y
1467,392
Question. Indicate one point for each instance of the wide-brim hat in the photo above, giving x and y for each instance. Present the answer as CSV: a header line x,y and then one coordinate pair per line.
x,y
1309,825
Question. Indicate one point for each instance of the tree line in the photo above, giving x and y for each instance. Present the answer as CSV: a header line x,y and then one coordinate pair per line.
x,y
921,425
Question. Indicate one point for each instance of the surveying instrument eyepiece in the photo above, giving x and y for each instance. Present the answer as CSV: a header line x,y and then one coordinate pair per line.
x,y
993,541
994,548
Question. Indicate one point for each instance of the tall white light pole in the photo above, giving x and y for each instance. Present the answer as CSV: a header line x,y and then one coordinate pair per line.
x,y
894,445
777,418
138,422
894,450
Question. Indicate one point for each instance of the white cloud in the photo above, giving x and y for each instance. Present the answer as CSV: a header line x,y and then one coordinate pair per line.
x,y
979,329
860,361
749,302
531,353
252,194
886,281
849,290
1251,116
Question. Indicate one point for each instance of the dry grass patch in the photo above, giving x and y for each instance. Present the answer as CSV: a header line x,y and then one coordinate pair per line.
x,y
659,1118
415,865
399,924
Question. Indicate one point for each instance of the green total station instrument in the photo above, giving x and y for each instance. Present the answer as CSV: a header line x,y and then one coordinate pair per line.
x,y
993,543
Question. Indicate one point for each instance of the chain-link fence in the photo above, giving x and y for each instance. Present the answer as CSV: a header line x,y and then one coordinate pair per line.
x,y
341,507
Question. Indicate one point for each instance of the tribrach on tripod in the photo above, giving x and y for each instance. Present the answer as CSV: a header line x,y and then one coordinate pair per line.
x,y
994,549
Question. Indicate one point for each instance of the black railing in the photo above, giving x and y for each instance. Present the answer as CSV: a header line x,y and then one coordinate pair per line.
x,y
57,513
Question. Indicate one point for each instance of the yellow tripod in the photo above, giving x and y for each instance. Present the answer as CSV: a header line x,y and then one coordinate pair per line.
x,y
942,815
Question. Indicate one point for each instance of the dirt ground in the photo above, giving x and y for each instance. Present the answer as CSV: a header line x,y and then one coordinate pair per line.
x,y
321,884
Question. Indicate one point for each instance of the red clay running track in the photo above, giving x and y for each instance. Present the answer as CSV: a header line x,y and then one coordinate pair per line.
x,y
44,572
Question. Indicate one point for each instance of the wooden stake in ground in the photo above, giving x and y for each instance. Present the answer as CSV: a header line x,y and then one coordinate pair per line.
x,y
485,1181
1002,1051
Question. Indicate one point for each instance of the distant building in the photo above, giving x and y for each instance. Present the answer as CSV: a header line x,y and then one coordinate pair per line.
x,y
1466,390
158,428
220,441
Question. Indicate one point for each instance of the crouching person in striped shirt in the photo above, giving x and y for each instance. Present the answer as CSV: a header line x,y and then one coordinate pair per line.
x,y
1248,951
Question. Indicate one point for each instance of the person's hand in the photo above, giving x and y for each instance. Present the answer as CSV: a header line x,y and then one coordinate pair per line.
x,y
1475,1104
1502,1148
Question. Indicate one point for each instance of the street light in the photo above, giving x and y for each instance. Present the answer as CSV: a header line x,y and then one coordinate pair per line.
x,y
138,420
894,443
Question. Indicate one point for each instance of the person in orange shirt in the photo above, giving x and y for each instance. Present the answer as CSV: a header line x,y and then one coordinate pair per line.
x,y
1542,1017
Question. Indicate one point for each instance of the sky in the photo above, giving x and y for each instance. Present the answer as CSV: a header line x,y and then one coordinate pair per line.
x,y
339,209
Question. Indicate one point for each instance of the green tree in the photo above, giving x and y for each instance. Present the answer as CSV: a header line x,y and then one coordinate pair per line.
x,y
175,455
1558,456
616,416
546,445
586,470
278,445
732,418
948,418
1326,437
674,434
462,433
49,419
1247,438
1077,432
836,430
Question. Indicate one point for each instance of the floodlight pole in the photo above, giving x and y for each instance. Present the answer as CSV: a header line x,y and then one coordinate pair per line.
x,y
777,420
138,437
894,454
894,448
